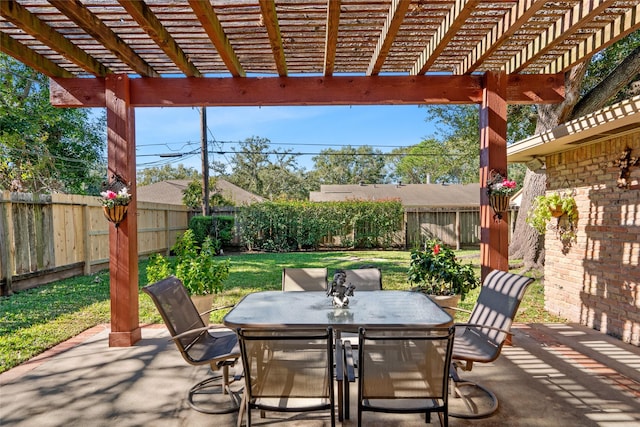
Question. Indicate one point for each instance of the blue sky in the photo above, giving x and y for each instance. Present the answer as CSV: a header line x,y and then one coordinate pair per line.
x,y
301,129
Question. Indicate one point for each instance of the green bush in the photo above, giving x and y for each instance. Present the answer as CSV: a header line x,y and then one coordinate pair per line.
x,y
195,266
218,228
291,226
437,271
201,227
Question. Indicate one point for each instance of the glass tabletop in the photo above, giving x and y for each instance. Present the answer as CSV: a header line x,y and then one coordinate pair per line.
x,y
370,309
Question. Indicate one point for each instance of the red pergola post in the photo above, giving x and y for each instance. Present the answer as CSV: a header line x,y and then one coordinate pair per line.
x,y
123,242
494,243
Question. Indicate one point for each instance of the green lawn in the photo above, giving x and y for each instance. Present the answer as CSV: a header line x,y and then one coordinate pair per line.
x,y
35,320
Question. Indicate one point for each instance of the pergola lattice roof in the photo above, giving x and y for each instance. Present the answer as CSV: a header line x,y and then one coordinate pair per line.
x,y
152,38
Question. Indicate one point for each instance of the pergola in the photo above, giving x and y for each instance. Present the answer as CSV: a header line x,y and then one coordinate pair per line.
x,y
123,54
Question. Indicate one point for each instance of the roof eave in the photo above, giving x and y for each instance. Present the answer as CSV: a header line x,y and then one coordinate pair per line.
x,y
613,120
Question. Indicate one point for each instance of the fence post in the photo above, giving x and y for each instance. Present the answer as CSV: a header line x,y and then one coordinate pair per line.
x,y
87,239
457,226
7,248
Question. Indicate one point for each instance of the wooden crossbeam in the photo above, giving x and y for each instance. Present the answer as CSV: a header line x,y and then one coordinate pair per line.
x,y
621,27
28,57
397,12
512,21
152,26
39,29
331,39
564,27
454,20
270,19
212,26
362,90
90,23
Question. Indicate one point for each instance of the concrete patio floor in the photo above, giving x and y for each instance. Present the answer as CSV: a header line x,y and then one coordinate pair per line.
x,y
553,375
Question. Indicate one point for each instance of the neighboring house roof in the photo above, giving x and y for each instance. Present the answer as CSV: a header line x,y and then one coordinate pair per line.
x,y
616,119
171,192
411,195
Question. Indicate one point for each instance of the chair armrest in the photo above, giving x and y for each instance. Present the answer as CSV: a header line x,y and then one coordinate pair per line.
x,y
481,326
217,308
189,332
464,310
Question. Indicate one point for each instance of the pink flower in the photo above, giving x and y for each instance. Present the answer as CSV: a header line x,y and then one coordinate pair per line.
x,y
436,249
509,184
110,195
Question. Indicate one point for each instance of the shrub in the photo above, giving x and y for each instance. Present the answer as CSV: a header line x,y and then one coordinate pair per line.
x,y
436,271
195,266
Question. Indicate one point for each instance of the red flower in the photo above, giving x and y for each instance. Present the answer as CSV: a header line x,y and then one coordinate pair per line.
x,y
111,195
436,249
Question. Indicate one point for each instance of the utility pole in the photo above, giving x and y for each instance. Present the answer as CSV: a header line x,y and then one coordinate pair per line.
x,y
205,160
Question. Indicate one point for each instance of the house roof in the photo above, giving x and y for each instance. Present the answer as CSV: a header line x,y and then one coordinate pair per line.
x,y
235,38
617,119
411,195
171,192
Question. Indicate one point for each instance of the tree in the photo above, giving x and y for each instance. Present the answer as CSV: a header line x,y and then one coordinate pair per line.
x,y
270,175
588,87
349,165
192,196
167,172
422,164
42,148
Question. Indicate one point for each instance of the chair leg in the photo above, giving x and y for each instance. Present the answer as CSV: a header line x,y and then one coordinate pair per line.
x,y
208,387
243,406
477,400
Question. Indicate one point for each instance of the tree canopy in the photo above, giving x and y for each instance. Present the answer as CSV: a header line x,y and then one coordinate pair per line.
x,y
255,168
45,149
167,172
349,165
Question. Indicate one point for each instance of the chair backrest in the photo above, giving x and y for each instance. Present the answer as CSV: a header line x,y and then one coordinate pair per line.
x,y
180,316
496,307
365,279
286,369
304,279
407,364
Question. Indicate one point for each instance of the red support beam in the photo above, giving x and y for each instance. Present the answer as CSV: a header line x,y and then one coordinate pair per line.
x,y
291,91
494,244
123,242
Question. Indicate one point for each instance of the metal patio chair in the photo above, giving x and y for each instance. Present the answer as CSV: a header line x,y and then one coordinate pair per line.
x,y
365,279
198,345
287,371
482,337
304,279
405,371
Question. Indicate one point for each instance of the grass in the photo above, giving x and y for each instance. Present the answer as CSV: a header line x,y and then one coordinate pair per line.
x,y
37,319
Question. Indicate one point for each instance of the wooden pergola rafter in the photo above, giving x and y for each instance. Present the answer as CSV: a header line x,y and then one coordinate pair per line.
x,y
125,54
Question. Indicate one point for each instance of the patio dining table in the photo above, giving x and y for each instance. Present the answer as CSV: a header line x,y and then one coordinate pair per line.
x,y
314,310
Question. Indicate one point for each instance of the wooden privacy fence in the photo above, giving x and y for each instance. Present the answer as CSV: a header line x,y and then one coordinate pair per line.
x,y
454,227
49,237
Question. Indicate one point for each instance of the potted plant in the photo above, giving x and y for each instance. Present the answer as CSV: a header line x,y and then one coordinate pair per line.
x,y
196,267
500,190
115,204
437,272
554,205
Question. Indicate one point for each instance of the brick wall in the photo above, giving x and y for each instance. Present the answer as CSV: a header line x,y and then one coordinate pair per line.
x,y
596,281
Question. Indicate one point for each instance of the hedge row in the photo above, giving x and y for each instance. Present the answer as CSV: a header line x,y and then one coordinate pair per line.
x,y
290,226
219,228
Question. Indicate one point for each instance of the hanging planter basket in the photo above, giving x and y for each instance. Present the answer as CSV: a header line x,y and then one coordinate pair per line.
x,y
499,203
115,214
